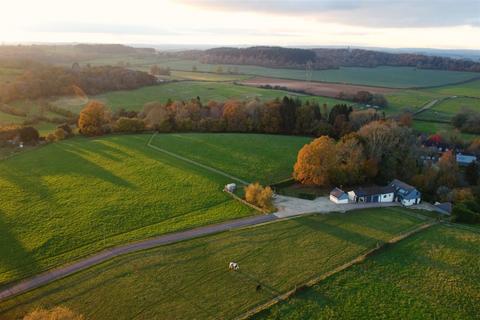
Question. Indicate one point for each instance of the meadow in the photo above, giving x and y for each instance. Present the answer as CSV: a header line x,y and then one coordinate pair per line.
x,y
394,77
432,275
76,197
251,157
190,279
185,90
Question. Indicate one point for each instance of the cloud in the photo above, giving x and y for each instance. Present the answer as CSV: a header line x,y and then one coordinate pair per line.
x,y
369,13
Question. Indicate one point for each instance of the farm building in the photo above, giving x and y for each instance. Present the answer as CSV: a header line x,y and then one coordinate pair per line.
x,y
372,194
405,193
338,196
465,159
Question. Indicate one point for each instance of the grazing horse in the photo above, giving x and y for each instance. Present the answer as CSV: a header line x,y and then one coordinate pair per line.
x,y
233,266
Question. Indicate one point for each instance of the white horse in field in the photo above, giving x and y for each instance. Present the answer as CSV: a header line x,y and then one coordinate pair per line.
x,y
233,266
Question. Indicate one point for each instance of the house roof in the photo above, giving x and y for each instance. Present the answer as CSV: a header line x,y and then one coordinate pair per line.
x,y
465,158
401,185
371,191
444,206
404,190
338,193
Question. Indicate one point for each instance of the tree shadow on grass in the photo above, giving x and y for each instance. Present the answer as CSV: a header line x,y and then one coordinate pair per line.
x,y
336,231
14,257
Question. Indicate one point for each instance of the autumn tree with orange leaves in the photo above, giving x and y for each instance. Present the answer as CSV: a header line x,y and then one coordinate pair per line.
x,y
315,162
93,119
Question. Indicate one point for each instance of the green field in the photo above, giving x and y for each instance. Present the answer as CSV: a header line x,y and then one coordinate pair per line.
x,y
204,76
75,197
9,74
408,100
191,280
241,155
444,110
469,89
433,275
431,127
395,77
6,119
185,90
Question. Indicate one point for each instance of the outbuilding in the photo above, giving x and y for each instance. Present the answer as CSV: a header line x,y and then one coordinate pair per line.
x,y
465,159
338,196
405,193
372,194
231,187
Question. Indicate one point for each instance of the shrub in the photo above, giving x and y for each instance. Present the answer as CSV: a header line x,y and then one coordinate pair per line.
x,y
29,135
60,134
129,125
51,137
259,196
93,119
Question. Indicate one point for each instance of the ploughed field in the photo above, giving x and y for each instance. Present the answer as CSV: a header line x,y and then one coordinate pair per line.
x,y
316,88
76,197
191,279
432,275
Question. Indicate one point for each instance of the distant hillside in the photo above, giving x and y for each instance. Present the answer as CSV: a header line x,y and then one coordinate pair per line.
x,y
325,58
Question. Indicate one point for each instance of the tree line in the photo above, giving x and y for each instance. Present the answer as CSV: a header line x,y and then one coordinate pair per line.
x,y
45,81
279,116
325,58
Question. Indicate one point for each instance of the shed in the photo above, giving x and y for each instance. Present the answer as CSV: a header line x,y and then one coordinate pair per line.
x,y
338,196
231,187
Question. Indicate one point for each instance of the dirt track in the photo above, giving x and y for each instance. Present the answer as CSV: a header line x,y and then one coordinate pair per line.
x,y
316,88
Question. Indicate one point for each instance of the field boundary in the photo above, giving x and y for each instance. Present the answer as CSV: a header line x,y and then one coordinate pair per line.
x,y
198,164
310,283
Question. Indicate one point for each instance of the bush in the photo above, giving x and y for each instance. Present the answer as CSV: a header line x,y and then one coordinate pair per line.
x,y
29,135
60,134
463,213
259,196
51,137
129,125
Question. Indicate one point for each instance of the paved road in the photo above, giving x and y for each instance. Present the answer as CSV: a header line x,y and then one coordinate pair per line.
x,y
55,274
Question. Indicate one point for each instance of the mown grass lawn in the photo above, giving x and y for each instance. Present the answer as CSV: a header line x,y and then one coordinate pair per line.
x,y
432,275
251,157
190,280
73,198
469,89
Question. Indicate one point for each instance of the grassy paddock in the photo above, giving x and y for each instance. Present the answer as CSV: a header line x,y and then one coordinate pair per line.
x,y
73,198
252,157
432,275
191,280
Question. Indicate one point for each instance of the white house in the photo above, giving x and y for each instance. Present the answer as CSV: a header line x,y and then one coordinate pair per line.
x,y
338,196
465,159
372,194
405,193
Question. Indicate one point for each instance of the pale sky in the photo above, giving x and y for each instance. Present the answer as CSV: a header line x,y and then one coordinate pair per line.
x,y
384,23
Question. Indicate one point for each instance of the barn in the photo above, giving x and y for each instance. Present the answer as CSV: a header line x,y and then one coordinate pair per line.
x,y
338,196
372,194
405,193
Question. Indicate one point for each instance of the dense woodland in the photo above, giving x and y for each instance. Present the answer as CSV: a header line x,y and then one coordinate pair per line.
x,y
43,81
326,58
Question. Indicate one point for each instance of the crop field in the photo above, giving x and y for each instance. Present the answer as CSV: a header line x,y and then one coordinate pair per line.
x,y
251,157
186,90
394,77
432,275
205,76
332,90
6,119
76,197
190,279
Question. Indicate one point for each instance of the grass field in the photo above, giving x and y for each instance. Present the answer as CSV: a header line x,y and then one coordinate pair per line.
x,y
431,127
204,76
186,90
6,118
395,77
251,157
433,275
190,279
73,198
444,110
408,100
9,74
469,89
